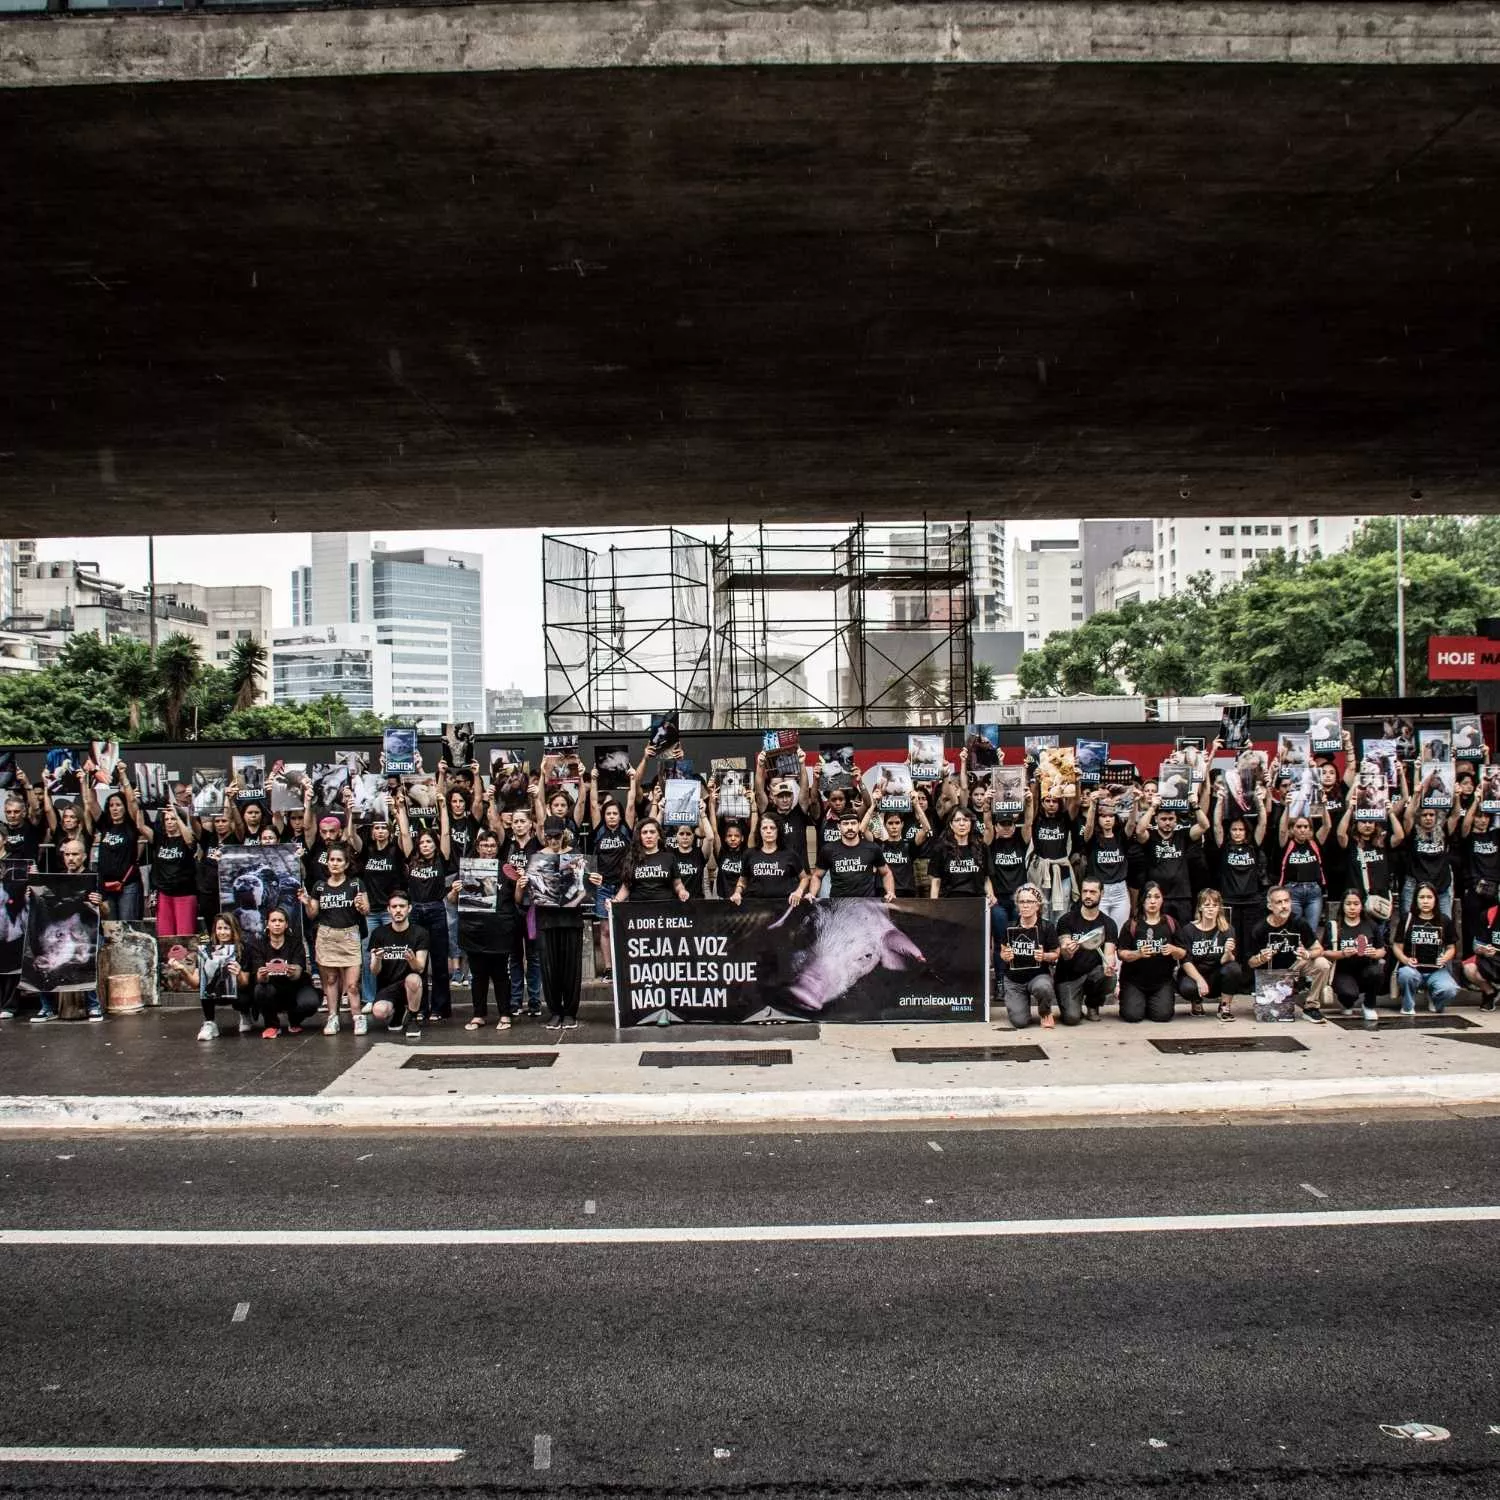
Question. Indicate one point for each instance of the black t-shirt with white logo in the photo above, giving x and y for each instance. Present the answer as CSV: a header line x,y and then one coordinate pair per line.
x,y
1369,868
1302,864
690,865
23,842
1105,859
1427,858
1008,863
1205,948
793,831
900,860
1025,944
959,869
1166,860
1282,941
119,854
654,877
610,846
771,877
384,873
1345,939
1239,873
336,902
1149,938
173,872
390,946
1424,939
853,870
728,867
426,879
1052,835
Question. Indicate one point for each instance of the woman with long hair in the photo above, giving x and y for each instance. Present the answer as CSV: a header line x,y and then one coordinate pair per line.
x,y
174,875
1149,953
650,872
222,976
338,902
1356,949
1424,950
770,872
1210,970
427,857
277,966
959,862
1105,855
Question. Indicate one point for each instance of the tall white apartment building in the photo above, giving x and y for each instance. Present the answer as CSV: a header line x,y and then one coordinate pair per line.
x,y
988,572
1225,546
1047,590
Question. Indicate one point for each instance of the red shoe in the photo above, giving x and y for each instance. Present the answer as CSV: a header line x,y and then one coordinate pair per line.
x,y
270,1033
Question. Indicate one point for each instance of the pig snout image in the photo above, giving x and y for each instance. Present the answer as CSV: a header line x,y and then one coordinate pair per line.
x,y
850,939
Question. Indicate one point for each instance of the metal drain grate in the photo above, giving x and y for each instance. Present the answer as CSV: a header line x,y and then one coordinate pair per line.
x,y
734,1057
430,1062
1193,1046
1425,1021
1022,1053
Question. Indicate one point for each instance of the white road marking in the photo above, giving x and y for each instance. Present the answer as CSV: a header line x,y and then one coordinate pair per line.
x,y
541,1451
589,1206
1307,1187
936,1147
230,1455
710,1234
241,1312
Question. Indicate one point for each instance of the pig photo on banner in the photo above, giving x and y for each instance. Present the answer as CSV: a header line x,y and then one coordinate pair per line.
x,y
848,959
256,878
62,934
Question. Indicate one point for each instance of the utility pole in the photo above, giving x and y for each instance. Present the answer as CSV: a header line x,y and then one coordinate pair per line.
x,y
151,590
1400,606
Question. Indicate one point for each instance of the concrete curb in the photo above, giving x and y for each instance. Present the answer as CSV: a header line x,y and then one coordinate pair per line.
x,y
532,1111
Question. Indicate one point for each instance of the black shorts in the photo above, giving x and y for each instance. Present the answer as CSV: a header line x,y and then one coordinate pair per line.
x,y
1489,968
395,993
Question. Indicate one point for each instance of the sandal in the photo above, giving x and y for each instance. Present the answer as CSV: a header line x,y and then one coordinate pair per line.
x,y
503,1024
477,1024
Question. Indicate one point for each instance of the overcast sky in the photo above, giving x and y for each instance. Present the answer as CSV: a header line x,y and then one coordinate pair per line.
x,y
512,576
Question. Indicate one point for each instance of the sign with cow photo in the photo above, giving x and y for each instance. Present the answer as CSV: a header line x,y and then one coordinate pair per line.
x,y
847,959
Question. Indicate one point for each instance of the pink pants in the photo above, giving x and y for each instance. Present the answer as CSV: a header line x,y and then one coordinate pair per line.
x,y
176,916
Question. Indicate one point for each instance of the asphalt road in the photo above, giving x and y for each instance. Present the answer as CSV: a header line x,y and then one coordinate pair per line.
x,y
1259,1362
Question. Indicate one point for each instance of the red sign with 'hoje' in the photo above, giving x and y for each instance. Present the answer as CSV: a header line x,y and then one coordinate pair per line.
x,y
1462,658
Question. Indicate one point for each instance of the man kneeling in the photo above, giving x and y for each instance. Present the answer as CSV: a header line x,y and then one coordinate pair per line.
x,y
398,955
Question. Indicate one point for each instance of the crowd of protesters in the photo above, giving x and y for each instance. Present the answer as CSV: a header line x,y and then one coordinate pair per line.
x,y
1098,895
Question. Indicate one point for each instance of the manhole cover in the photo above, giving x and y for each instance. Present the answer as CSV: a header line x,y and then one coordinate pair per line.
x,y
429,1062
1021,1053
734,1057
1192,1046
1424,1022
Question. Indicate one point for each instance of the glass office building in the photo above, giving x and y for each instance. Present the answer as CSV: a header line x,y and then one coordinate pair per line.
x,y
445,587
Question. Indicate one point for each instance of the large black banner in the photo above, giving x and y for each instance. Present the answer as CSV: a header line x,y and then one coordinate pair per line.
x,y
848,959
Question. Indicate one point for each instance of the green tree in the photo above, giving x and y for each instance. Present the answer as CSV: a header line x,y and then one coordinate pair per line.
x,y
247,668
178,668
135,676
984,682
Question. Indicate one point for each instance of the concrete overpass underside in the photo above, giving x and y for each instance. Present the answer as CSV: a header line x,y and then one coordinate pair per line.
x,y
620,295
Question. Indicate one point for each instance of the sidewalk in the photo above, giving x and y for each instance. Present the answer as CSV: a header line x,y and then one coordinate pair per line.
x,y
147,1071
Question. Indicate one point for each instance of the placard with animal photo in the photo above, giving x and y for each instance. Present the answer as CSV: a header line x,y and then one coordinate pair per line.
x,y
681,770
13,914
178,963
478,885
372,798
209,787
1192,750
1325,730
458,743
682,803
60,774
1293,752
1372,797
664,732
924,754
1434,747
1489,789
557,879
1007,790
1119,773
1174,785
612,766
127,962
782,753
355,762
256,879
565,745
1435,785
151,785
218,971
896,775
1468,737
1036,743
982,741
421,796
61,951
1091,757
1384,754
1234,726
251,770
329,783
1304,794
1057,771
105,755
836,765
1400,728
286,785
399,751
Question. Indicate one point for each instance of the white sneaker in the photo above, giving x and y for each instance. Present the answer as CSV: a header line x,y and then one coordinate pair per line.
x,y
246,1026
208,1032
332,1028
361,1025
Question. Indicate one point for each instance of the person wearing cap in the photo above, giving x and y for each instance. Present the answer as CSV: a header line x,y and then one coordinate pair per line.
x,y
854,866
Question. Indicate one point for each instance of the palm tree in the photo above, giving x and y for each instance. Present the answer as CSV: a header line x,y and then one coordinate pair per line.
x,y
178,666
247,667
135,676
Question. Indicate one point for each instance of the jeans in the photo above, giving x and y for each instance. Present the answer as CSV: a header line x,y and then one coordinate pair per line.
x,y
603,892
1020,993
1409,893
1074,994
126,905
1115,903
1440,985
1307,902
526,977
454,951
436,990
366,978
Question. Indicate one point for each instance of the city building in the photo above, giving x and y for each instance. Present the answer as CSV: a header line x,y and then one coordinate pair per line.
x,y
987,568
309,661
988,575
510,711
427,603
1130,579
236,612
1104,544
55,599
1225,546
1047,592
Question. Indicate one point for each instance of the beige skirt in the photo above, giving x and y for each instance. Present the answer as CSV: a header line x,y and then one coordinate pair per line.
x,y
337,947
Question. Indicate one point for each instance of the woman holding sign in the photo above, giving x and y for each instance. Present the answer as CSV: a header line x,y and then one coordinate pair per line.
x,y
1149,951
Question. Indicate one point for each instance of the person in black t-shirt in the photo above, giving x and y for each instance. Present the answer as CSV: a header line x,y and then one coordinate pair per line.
x,y
729,860
1282,945
959,864
1482,971
22,829
771,873
854,866
1166,843
1210,967
1425,948
1087,943
119,830
174,875
339,903
650,872
1356,949
277,965
399,952
612,833
1150,951
899,844
690,861
1029,951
